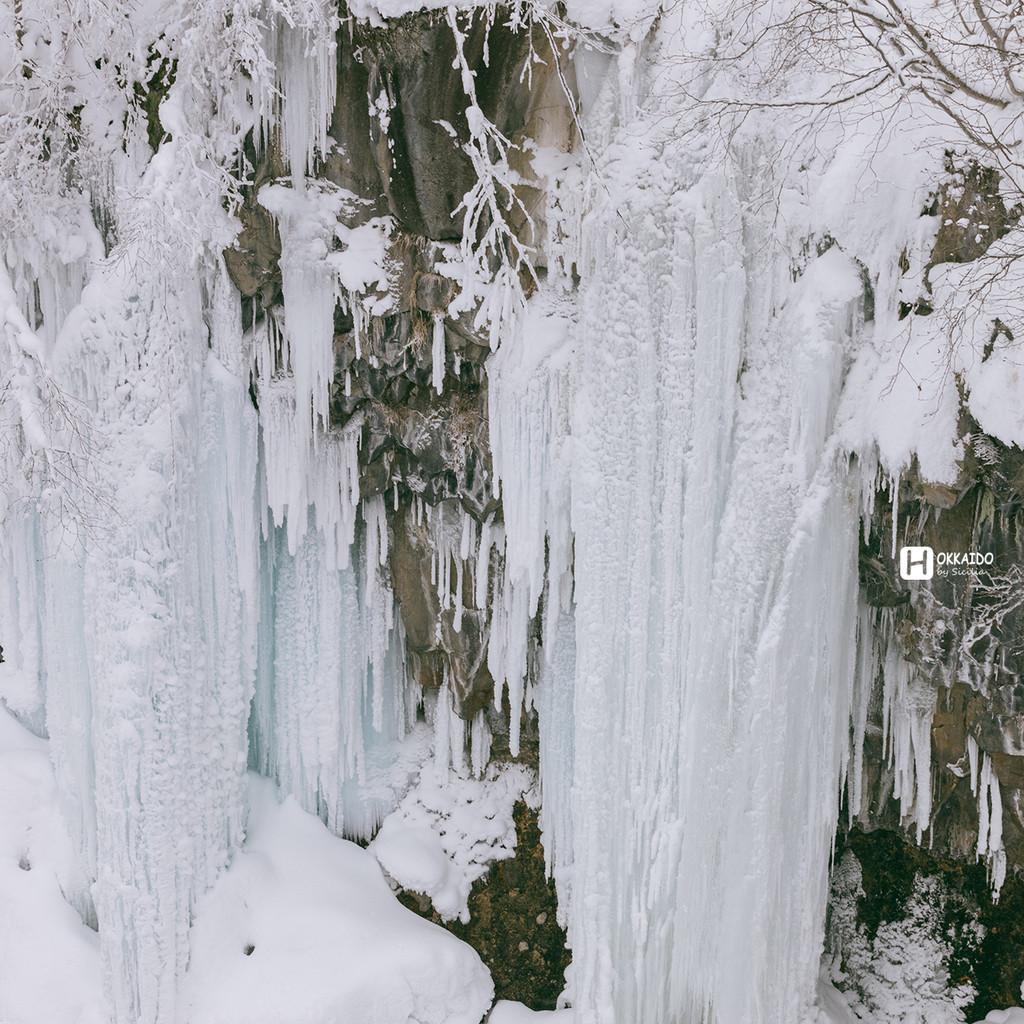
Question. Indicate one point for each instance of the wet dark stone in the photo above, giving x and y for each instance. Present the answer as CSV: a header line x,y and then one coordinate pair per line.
x,y
995,963
513,923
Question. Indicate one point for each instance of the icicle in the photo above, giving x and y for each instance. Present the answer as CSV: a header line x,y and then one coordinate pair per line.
x,y
467,536
995,841
480,743
437,353
990,825
443,716
307,83
335,711
457,597
555,715
895,490
908,708
297,477
864,679
483,562
306,221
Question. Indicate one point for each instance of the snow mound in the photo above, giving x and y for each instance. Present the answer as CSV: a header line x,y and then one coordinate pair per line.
x,y
303,928
51,964
1014,1015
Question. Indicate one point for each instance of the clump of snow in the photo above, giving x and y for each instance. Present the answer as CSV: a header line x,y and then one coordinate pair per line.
x,y
449,829
984,319
1014,1015
303,928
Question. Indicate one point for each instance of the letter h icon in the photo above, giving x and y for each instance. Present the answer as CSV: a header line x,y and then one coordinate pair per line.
x,y
917,563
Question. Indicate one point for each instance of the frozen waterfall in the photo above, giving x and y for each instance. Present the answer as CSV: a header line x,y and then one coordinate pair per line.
x,y
193,586
703,724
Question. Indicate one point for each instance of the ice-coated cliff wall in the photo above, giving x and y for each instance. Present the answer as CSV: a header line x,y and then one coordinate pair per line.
x,y
380,385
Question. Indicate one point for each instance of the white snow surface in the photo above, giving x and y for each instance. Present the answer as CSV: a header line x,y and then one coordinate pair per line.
x,y
508,1012
328,941
50,958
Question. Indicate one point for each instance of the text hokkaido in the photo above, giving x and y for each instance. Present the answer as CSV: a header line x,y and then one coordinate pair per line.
x,y
964,558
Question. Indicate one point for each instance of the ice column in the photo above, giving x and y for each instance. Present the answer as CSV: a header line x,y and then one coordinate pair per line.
x,y
331,692
710,677
153,619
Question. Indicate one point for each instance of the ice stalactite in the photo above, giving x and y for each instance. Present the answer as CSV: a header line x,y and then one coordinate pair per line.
x,y
302,46
306,338
529,423
332,681
437,353
555,710
332,695
332,690
908,707
320,473
307,463
985,786
724,564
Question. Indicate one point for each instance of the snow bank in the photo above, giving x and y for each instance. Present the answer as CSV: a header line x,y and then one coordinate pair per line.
x,y
51,963
303,928
326,940
1014,1015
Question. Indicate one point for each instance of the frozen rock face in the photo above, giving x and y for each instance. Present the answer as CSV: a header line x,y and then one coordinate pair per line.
x,y
957,638
412,370
960,638
319,568
412,376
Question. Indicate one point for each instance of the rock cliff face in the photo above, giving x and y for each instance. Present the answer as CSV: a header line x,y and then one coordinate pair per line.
x,y
400,129
961,635
955,644
961,632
